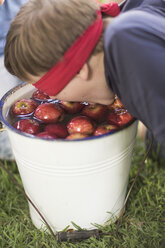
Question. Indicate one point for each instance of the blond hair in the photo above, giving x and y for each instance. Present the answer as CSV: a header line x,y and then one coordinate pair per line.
x,y
43,31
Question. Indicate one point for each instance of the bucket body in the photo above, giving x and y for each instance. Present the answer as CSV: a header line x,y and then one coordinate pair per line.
x,y
83,181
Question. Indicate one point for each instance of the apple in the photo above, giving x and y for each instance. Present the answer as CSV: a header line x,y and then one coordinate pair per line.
x,y
58,129
117,104
40,95
46,135
49,113
119,118
72,107
104,128
75,136
28,126
81,124
96,111
24,107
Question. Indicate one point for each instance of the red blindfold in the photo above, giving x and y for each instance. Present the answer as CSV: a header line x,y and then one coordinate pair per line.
x,y
76,56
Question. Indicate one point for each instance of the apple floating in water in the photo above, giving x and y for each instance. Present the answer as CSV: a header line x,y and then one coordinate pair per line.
x,y
104,128
46,135
58,129
28,126
39,95
72,107
117,104
97,112
119,118
81,124
49,113
75,136
24,107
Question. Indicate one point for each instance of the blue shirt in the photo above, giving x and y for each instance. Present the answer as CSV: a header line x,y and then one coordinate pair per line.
x,y
134,45
8,10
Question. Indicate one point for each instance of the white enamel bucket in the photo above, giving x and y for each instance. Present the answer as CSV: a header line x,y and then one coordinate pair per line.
x,y
84,181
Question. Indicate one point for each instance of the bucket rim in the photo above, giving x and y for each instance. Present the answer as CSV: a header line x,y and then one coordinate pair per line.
x,y
9,126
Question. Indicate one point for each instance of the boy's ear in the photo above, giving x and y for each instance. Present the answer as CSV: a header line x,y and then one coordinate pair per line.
x,y
84,72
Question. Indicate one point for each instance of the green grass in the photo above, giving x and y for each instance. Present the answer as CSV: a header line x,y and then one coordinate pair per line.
x,y
143,223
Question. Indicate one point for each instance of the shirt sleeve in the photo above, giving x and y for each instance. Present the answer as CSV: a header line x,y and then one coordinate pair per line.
x,y
134,66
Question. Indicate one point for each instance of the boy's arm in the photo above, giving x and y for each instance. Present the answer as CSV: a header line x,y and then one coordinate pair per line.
x,y
1,2
134,62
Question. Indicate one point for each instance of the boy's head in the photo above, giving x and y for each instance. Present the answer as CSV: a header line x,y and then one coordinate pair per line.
x,y
43,31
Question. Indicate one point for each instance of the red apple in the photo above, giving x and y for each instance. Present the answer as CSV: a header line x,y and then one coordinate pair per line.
x,y
117,104
58,129
46,135
49,113
40,95
119,118
75,136
24,107
28,126
81,124
104,128
96,111
72,107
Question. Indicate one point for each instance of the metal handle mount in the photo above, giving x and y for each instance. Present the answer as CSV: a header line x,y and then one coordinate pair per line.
x,y
1,127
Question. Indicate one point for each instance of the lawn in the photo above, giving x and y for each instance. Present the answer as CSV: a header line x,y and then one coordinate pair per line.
x,y
142,225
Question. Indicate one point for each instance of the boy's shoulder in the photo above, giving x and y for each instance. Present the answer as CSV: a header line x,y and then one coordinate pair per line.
x,y
134,61
136,23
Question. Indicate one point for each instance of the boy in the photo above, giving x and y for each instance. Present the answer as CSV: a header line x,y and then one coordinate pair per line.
x,y
58,46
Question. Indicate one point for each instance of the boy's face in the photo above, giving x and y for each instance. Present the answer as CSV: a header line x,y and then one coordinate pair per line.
x,y
88,85
84,91
79,90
